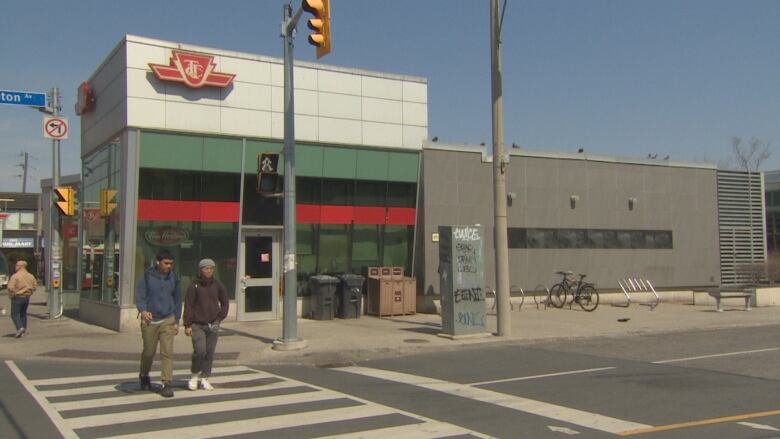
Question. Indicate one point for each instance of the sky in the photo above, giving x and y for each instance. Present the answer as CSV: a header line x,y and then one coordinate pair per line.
x,y
622,78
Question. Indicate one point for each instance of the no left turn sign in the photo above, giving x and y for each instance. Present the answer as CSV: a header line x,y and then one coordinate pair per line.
x,y
55,128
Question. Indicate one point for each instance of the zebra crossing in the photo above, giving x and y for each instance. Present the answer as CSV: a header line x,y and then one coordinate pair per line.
x,y
246,402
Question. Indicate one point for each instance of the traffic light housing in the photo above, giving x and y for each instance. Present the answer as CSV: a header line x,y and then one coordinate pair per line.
x,y
66,200
107,203
268,173
320,24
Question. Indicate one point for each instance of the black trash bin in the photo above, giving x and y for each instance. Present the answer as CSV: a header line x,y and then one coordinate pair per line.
x,y
350,296
323,296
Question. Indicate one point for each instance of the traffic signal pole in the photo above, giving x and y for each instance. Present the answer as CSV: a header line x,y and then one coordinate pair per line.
x,y
53,243
289,340
501,245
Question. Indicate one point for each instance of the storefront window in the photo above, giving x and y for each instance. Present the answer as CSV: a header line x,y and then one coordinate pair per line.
x,y
99,255
189,242
259,209
334,248
398,246
366,246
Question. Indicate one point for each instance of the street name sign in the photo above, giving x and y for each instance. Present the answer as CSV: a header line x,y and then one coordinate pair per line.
x,y
23,98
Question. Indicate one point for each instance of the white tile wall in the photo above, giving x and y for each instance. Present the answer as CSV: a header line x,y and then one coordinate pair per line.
x,y
414,136
382,110
189,117
146,113
178,92
338,82
415,92
331,106
383,134
382,88
247,95
340,130
239,121
339,105
140,55
415,114
251,71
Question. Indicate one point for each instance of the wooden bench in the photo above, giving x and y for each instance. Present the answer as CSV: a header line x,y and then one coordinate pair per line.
x,y
732,293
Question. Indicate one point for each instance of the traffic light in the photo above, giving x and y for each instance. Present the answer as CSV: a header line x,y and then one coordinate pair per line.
x,y
320,24
267,173
66,200
107,203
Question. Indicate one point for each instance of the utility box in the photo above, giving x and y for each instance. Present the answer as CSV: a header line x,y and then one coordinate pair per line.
x,y
462,280
323,296
350,296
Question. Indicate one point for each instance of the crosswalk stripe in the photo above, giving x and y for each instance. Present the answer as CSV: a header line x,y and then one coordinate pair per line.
x,y
264,424
188,410
105,388
425,430
539,408
151,396
125,376
53,415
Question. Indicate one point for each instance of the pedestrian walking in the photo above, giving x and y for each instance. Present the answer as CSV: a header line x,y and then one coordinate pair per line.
x,y
20,287
206,304
158,299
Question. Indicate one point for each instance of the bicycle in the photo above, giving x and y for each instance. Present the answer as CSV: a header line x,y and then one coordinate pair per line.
x,y
584,293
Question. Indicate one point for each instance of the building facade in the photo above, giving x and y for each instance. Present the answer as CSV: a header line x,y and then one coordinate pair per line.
x,y
184,163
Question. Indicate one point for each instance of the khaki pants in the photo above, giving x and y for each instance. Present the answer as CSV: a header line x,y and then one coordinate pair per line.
x,y
151,335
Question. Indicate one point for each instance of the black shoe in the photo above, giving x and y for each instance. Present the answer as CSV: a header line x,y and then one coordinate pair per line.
x,y
146,382
167,391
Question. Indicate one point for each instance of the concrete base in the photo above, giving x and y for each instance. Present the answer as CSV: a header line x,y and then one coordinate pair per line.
x,y
290,345
465,336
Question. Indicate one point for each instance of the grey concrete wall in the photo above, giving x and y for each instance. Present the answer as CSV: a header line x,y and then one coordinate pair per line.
x,y
458,187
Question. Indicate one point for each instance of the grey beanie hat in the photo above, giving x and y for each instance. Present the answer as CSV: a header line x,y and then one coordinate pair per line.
x,y
206,263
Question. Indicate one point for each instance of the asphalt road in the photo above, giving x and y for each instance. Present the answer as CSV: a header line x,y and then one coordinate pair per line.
x,y
704,384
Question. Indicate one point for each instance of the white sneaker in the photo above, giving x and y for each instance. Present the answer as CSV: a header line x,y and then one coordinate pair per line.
x,y
192,384
205,384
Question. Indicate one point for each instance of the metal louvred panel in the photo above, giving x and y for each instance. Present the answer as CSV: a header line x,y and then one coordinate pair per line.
x,y
741,222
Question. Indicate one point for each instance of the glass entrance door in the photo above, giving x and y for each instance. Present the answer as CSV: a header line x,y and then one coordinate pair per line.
x,y
258,295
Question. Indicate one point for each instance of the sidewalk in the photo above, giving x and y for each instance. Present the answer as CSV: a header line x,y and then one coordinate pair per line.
x,y
341,341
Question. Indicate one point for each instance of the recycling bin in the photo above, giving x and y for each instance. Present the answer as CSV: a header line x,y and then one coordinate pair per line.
x,y
350,296
323,296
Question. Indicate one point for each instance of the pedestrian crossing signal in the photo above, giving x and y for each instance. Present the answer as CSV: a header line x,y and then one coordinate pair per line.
x,y
268,173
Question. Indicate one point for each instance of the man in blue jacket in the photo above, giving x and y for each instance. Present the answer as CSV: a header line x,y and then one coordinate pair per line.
x,y
158,299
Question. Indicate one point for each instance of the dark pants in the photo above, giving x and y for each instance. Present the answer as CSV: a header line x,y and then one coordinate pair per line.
x,y
19,311
204,342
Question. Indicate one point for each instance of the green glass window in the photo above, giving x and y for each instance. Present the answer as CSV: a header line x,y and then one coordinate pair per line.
x,y
366,247
308,190
333,248
370,193
401,194
306,250
337,192
260,210
398,246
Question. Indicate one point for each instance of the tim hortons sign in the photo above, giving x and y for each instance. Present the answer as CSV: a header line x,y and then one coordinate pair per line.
x,y
195,70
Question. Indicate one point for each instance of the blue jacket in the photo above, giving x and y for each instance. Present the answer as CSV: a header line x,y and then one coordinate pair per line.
x,y
161,295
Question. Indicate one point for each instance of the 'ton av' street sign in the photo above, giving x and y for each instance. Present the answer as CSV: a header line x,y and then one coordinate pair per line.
x,y
23,98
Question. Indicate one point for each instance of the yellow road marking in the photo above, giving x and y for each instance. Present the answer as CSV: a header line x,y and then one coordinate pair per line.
x,y
699,423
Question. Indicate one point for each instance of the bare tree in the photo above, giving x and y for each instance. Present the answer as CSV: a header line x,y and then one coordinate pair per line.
x,y
750,155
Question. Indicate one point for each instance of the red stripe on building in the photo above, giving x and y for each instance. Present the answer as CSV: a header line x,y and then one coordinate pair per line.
x,y
199,211
401,216
228,212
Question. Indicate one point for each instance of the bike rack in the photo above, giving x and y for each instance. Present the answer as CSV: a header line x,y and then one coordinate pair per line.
x,y
514,289
637,285
544,299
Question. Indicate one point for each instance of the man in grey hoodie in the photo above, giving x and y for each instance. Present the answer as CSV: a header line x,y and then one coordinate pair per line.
x,y
158,299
